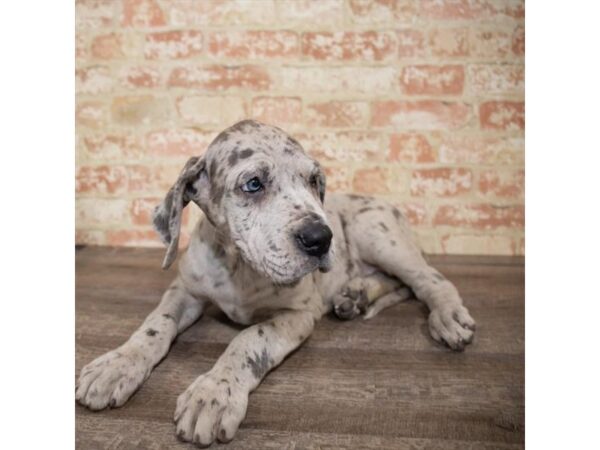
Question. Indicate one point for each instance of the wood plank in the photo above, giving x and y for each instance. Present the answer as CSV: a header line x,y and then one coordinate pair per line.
x,y
381,383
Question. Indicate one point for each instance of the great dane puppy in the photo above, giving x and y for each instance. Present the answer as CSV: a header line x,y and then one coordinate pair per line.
x,y
275,255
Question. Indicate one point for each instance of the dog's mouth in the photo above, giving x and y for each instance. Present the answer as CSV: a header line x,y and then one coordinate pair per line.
x,y
281,274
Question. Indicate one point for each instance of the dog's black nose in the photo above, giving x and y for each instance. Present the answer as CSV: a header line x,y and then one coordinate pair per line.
x,y
314,238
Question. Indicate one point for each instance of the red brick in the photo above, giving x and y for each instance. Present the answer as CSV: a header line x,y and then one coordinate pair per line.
x,y
95,14
108,46
343,147
144,178
141,210
307,13
490,43
89,237
338,179
141,77
133,238
472,9
449,42
411,43
94,80
441,182
81,46
173,44
215,110
92,114
415,213
278,111
483,216
518,41
432,80
510,184
337,114
486,79
91,212
178,143
410,148
135,110
423,115
372,181
382,11
101,180
112,147
478,150
338,46
502,115
199,13
344,79
253,44
142,14
221,77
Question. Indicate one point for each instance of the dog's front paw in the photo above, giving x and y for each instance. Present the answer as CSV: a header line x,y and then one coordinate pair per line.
x,y
111,379
452,325
212,407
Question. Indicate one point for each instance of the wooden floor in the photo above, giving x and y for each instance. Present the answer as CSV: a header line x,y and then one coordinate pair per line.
x,y
379,384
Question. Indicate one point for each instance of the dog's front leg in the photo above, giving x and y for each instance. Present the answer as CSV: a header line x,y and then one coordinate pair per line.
x,y
214,405
113,377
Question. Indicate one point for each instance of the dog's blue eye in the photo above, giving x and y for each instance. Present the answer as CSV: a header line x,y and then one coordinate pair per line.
x,y
254,185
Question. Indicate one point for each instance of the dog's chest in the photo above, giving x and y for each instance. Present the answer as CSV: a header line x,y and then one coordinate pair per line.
x,y
247,300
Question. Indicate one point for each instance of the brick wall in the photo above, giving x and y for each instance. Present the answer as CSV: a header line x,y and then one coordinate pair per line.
x,y
420,102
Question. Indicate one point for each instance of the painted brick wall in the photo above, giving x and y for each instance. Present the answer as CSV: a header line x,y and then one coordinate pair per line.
x,y
420,102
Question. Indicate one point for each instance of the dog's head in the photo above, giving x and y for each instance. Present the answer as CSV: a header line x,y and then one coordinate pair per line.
x,y
258,187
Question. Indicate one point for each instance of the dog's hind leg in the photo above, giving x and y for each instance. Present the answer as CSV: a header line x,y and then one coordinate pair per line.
x,y
390,247
112,378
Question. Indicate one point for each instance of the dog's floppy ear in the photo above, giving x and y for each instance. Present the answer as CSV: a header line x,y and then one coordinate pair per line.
x,y
167,216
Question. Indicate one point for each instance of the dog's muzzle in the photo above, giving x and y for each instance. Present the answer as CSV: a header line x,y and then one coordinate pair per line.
x,y
314,238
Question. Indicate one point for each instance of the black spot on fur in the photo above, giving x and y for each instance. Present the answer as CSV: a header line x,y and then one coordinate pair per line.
x,y
246,153
438,276
190,190
397,214
169,316
260,331
151,332
393,242
383,226
364,209
354,197
217,194
260,364
214,402
211,169
349,266
233,158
